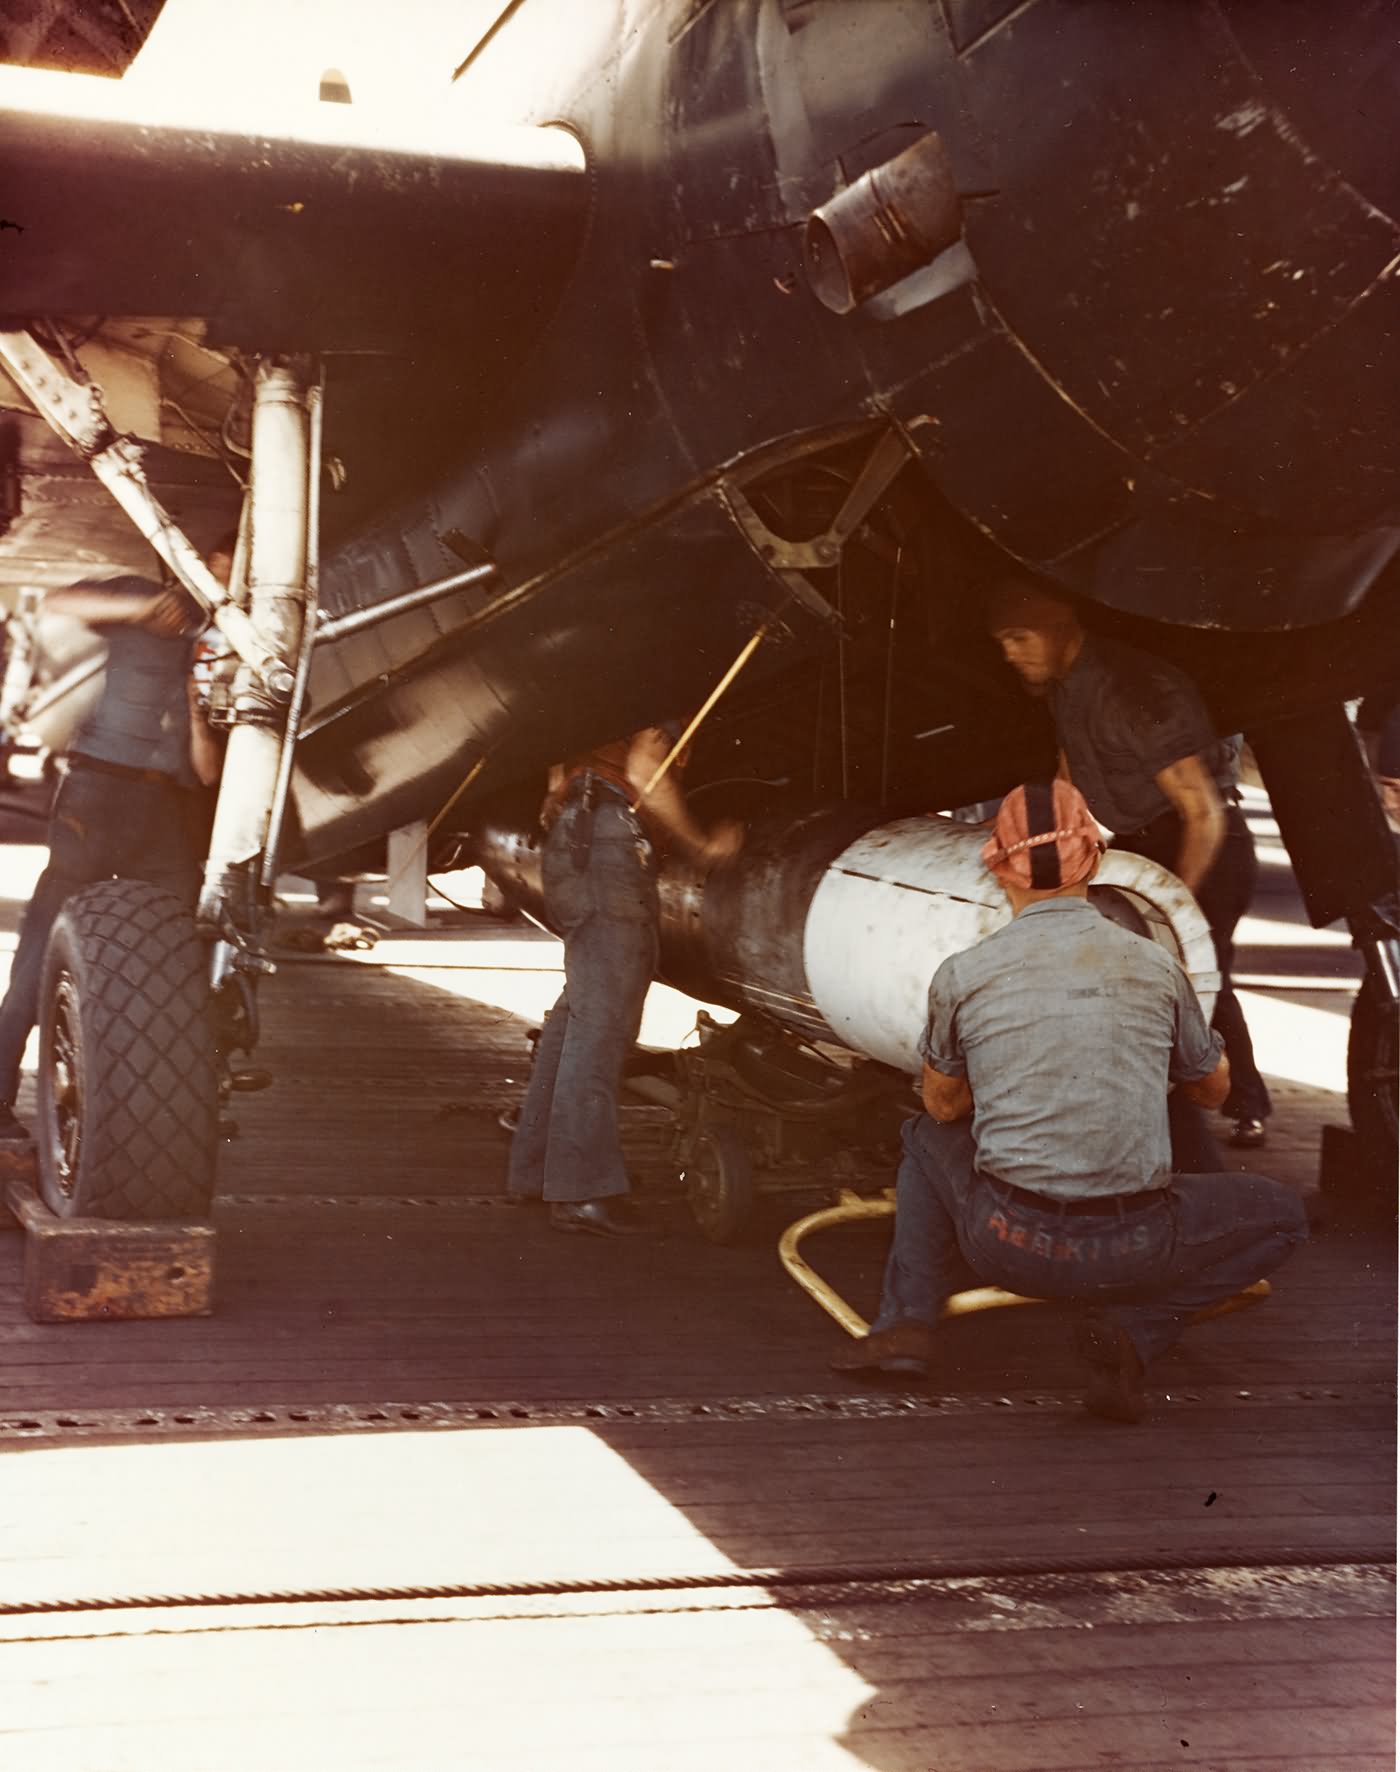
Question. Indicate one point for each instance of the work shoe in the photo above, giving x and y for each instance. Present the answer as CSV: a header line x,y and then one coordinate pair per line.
x,y
609,1217
12,1131
905,1349
249,1082
1115,1370
1248,1134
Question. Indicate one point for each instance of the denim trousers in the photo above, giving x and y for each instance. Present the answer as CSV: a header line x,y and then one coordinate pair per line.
x,y
102,826
1204,1239
600,895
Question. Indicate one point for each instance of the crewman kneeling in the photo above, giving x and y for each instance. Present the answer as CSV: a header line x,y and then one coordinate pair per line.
x,y
1044,1154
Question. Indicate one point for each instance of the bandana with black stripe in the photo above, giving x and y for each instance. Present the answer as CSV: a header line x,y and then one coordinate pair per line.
x,y
1040,819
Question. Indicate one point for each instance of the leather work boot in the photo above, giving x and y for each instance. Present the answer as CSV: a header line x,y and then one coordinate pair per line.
x,y
905,1349
1115,1372
1248,1133
610,1217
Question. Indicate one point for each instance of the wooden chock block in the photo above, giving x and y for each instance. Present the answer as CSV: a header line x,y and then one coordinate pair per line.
x,y
94,1270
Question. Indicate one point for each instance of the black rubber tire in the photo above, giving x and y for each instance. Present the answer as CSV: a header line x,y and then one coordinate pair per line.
x,y
1371,1077
128,1096
719,1185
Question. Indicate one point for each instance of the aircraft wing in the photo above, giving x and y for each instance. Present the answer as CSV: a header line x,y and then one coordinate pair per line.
x,y
156,240
314,232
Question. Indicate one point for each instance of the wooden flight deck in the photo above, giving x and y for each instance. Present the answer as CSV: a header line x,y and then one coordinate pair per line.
x,y
435,1486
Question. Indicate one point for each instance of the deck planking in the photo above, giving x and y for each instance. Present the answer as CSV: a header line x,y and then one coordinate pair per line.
x,y
1208,1590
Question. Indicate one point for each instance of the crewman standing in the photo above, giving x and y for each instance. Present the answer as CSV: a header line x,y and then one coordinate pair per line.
x,y
1136,741
608,818
125,804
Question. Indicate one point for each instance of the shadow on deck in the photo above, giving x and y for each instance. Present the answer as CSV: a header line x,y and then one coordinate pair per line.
x,y
438,1487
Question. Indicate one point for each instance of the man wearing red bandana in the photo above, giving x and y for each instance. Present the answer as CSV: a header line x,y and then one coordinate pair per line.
x,y
1043,1154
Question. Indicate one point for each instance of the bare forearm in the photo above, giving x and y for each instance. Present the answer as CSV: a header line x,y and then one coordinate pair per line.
x,y
1201,837
946,1098
666,805
105,608
556,787
664,802
1194,797
1210,1092
206,750
167,613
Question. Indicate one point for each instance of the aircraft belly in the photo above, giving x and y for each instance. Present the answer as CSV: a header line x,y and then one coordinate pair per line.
x,y
1161,377
1198,287
1163,386
1181,241
633,631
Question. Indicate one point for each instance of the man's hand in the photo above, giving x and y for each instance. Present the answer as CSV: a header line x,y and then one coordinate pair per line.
x,y
665,802
724,842
168,612
1196,799
1209,1092
206,745
556,791
946,1098
164,612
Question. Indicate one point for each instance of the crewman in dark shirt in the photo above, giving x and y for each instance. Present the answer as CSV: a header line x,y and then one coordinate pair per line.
x,y
1137,742
123,808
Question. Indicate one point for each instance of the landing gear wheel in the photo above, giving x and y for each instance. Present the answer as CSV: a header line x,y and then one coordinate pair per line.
x,y
128,1095
719,1185
1371,1077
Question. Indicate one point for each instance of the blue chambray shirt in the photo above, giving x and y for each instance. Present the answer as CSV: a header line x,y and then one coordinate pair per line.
x,y
142,718
1068,1030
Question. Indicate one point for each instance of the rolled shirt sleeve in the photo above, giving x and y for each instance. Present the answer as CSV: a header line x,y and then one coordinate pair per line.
x,y
1171,722
1123,718
940,1047
1196,1049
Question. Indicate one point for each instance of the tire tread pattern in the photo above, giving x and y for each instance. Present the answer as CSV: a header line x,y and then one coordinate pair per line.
x,y
1372,1040
150,1114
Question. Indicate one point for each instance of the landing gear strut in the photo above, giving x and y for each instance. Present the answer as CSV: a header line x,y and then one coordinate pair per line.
x,y
143,1006
131,1048
1344,855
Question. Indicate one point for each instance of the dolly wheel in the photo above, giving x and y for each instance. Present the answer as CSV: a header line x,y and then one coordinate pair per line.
x,y
719,1185
128,1094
